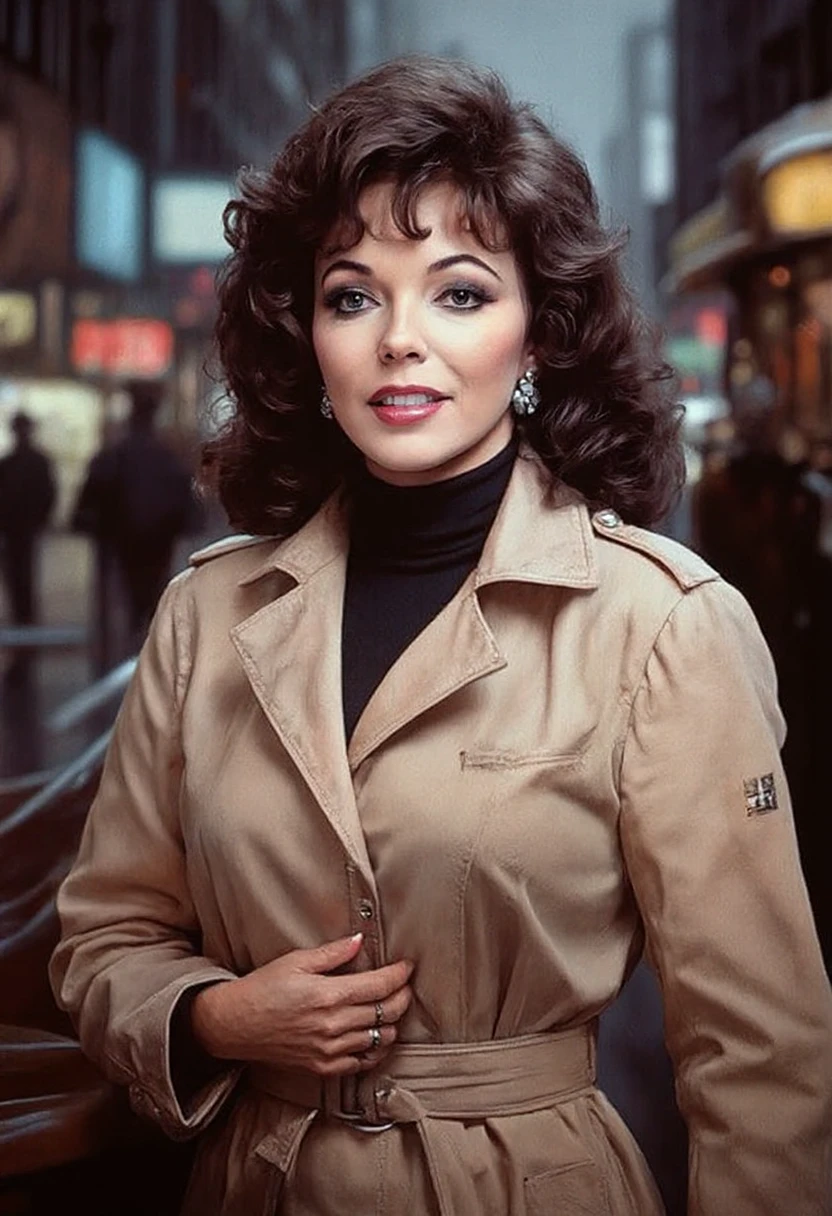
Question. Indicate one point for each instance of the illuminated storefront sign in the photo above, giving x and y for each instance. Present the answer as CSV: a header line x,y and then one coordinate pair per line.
x,y
109,210
18,319
130,346
797,194
187,219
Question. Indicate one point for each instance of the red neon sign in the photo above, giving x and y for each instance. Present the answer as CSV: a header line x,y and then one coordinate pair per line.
x,y
129,346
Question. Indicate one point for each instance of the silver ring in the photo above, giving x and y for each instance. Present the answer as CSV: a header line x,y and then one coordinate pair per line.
x,y
375,1037
379,1013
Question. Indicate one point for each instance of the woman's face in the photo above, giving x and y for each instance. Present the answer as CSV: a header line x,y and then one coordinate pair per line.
x,y
420,342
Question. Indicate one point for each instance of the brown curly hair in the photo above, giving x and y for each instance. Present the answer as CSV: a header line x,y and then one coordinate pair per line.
x,y
607,424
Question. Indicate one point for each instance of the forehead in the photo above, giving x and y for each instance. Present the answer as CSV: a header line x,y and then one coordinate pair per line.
x,y
439,209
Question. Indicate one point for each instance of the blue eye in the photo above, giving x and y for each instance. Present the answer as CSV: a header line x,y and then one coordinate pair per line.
x,y
347,300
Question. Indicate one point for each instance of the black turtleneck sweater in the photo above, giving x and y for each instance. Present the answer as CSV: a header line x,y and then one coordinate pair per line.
x,y
411,549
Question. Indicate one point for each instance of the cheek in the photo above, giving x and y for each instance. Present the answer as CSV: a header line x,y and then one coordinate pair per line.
x,y
496,355
336,351
323,339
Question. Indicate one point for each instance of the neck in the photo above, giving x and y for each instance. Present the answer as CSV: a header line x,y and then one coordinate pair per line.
x,y
427,526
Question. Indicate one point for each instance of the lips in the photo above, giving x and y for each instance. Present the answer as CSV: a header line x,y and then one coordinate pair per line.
x,y
406,396
406,404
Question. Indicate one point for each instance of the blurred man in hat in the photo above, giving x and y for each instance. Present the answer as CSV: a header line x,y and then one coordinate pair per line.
x,y
136,501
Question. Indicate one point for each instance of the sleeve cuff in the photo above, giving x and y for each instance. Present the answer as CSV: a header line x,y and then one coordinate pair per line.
x,y
153,1092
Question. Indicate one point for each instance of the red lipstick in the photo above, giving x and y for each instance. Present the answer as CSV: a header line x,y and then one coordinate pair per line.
x,y
404,404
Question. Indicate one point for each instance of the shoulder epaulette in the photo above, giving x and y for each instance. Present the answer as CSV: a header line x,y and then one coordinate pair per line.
x,y
227,544
687,568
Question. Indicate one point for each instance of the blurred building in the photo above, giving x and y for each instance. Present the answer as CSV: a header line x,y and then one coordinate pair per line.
x,y
640,172
639,156
754,194
741,64
122,126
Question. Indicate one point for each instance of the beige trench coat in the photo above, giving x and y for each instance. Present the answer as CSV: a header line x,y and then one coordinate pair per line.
x,y
580,751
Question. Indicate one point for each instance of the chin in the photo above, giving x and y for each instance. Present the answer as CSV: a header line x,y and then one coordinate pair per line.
x,y
421,465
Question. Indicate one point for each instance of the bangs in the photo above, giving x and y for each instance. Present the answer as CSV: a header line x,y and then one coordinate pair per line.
x,y
478,209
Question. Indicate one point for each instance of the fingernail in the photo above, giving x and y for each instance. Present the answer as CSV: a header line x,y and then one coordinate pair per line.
x,y
357,937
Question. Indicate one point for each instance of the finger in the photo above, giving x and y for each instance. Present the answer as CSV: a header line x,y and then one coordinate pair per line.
x,y
329,955
349,1065
357,1017
359,1043
372,1059
367,987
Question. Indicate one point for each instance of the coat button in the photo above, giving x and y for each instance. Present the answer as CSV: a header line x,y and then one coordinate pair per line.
x,y
365,909
608,518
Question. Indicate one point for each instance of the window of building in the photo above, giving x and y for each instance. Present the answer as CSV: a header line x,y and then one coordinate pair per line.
x,y
783,71
5,24
819,35
23,30
54,44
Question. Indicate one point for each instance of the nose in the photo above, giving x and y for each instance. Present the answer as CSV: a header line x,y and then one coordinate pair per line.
x,y
401,341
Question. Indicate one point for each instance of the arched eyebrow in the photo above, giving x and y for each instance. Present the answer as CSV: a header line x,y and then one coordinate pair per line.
x,y
435,267
346,264
456,258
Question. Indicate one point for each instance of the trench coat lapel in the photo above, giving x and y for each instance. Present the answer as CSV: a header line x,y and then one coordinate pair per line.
x,y
542,534
291,648
456,648
291,652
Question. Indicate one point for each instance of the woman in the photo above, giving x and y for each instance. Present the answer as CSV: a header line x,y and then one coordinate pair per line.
x,y
396,799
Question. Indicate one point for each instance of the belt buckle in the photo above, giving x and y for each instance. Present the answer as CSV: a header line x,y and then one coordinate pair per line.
x,y
359,1124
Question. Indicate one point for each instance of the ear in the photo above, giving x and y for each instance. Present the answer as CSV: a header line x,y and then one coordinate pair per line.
x,y
529,358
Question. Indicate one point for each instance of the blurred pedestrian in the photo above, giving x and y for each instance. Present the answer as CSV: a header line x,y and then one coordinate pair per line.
x,y
136,502
27,496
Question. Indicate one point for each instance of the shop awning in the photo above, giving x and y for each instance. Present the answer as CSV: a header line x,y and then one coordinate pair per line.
x,y
704,247
777,189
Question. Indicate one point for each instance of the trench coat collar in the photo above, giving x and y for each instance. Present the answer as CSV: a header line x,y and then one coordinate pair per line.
x,y
291,648
542,534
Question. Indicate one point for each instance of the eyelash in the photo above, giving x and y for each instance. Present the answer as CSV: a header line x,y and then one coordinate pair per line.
x,y
478,294
334,300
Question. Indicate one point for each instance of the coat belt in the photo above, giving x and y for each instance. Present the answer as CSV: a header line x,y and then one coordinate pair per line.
x,y
426,1083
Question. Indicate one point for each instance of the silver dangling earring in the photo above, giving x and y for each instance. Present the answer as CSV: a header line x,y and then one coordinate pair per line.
x,y
325,405
526,397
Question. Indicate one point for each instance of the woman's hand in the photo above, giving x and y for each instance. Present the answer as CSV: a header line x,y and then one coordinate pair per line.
x,y
292,1014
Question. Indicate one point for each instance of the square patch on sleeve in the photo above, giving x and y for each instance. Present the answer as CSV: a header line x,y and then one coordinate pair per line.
x,y
760,794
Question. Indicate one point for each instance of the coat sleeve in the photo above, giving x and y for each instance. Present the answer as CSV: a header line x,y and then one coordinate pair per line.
x,y
709,841
130,946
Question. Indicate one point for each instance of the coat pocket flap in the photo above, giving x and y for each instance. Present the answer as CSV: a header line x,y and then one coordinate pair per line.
x,y
571,1190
